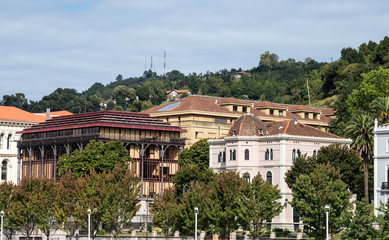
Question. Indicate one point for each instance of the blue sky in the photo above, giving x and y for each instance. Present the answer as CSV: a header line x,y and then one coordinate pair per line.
x,y
46,44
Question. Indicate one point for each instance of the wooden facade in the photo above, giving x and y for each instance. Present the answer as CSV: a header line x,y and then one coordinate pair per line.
x,y
153,145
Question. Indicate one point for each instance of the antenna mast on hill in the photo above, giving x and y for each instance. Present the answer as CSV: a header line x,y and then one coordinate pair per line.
x,y
145,64
151,63
164,64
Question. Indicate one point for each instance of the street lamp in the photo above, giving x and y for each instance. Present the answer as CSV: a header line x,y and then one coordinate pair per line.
x,y
89,213
1,233
327,211
183,189
196,211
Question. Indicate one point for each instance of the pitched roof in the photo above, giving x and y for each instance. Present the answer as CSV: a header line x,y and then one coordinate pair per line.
x,y
198,103
55,114
248,125
302,108
114,119
8,113
297,129
267,104
224,101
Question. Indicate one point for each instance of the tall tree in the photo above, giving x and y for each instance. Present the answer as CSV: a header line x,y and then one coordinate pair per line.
x,y
261,205
198,154
165,210
46,198
228,192
360,223
9,228
313,191
68,212
380,105
346,160
360,130
25,205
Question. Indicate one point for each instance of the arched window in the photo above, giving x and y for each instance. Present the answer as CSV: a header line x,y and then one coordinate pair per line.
x,y
9,141
271,154
246,177
234,155
298,153
224,156
230,155
267,154
314,153
246,154
1,140
294,154
4,167
269,177
219,157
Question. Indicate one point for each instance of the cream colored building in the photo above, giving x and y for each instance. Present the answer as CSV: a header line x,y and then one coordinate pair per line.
x,y
211,117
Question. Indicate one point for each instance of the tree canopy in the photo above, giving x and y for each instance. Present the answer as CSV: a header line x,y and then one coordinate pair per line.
x,y
96,155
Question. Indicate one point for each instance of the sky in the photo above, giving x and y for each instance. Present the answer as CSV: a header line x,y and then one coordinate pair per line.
x,y
46,44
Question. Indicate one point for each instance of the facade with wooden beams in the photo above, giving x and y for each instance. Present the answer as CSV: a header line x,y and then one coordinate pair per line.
x,y
154,145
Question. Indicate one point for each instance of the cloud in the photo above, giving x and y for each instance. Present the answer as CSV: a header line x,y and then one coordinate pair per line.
x,y
49,44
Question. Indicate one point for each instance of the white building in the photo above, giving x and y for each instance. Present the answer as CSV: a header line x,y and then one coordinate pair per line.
x,y
13,120
381,165
253,147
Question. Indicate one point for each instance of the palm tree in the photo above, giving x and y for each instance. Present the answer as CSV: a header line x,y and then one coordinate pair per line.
x,y
381,105
360,131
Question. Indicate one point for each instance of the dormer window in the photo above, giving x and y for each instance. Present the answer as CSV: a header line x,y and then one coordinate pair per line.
x,y
235,108
271,112
234,132
260,131
306,115
244,109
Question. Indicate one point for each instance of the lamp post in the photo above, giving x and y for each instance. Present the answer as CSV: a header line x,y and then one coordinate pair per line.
x,y
183,189
89,213
196,211
1,233
327,211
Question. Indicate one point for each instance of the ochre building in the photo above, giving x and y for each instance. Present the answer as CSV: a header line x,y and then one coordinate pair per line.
x,y
211,117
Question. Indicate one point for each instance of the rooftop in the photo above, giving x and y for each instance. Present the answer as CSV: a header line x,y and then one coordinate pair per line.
x,y
116,119
14,114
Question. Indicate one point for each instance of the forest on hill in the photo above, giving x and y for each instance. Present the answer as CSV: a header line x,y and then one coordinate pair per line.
x,y
349,84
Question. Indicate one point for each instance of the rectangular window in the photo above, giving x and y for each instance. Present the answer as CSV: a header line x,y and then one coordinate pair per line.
x,y
244,109
271,112
306,115
235,108
280,113
315,116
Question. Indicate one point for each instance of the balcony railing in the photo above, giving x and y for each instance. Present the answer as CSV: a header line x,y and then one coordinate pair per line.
x,y
89,136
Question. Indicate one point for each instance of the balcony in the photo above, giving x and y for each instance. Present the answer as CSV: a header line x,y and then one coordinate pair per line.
x,y
385,186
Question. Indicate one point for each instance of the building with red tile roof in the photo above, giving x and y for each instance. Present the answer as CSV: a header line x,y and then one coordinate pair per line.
x,y
211,117
154,145
253,147
13,120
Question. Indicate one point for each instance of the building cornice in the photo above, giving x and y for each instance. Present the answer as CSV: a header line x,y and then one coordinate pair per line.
x,y
278,138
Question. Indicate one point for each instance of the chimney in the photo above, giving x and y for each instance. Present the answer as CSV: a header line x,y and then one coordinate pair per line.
x,y
47,113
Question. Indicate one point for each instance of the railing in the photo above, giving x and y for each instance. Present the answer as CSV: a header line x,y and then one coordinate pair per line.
x,y
108,136
138,138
